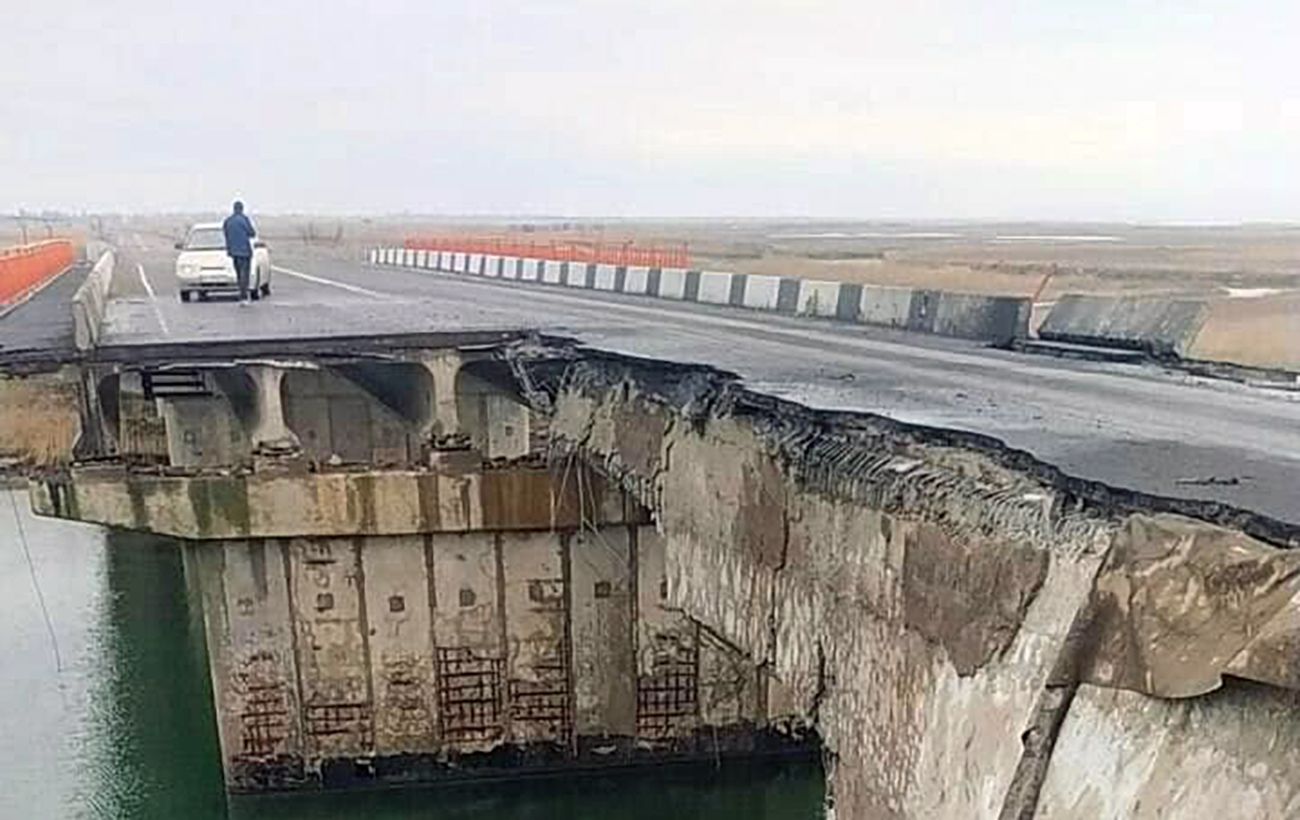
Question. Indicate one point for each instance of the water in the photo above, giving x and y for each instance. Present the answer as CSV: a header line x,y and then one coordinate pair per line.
x,y
123,726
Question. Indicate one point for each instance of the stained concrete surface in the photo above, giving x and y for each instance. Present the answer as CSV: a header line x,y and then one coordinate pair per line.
x,y
1135,427
927,606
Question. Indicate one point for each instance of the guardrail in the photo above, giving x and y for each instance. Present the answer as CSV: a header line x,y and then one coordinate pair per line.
x,y
90,302
996,319
25,268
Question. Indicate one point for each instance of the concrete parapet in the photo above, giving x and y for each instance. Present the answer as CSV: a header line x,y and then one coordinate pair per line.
x,y
885,306
90,302
1155,324
761,292
636,280
671,284
714,288
606,277
996,319
818,298
552,272
973,316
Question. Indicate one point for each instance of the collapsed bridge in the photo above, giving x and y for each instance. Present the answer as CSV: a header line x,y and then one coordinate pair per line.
x,y
424,555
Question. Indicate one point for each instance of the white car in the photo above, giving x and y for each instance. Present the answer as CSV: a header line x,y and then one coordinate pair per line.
x,y
202,267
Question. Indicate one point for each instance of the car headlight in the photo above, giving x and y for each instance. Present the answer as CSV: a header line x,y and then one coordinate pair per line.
x,y
187,270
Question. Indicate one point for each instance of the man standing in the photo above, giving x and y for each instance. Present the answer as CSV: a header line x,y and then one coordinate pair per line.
x,y
239,233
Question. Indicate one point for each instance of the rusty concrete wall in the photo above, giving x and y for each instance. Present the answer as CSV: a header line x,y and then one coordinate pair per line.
x,y
250,640
330,632
534,583
667,650
399,614
469,640
603,583
407,656
930,608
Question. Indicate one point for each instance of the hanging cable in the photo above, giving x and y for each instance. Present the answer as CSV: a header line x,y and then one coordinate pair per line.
x,y
36,584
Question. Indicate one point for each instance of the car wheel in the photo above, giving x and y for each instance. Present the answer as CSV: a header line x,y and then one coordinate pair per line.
x,y
185,296
266,289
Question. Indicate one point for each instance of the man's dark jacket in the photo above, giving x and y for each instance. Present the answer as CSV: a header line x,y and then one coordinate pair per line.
x,y
239,235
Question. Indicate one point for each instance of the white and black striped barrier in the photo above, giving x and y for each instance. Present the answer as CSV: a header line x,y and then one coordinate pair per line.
x,y
998,319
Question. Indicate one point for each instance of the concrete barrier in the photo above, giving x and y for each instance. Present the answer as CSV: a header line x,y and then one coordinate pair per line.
x,y
636,279
884,306
671,284
606,277
576,274
1155,324
972,316
976,316
90,302
714,288
818,298
761,292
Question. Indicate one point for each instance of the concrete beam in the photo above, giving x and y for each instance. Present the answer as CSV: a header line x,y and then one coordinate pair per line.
x,y
449,498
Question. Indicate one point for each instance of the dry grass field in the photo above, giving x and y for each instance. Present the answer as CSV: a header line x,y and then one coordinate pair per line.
x,y
1018,258
39,420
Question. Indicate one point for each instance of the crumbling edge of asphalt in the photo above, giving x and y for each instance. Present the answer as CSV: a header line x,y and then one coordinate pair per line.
x,y
1261,377
544,369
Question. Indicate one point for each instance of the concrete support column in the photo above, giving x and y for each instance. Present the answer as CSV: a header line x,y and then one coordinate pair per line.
x,y
98,434
269,433
444,418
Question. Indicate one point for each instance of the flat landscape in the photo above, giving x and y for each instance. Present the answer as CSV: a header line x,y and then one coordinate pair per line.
x,y
1018,258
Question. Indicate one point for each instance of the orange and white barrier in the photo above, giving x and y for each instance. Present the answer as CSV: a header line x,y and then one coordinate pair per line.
x,y
25,268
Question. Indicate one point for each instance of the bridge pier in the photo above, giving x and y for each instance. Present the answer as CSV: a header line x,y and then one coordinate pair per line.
x,y
434,624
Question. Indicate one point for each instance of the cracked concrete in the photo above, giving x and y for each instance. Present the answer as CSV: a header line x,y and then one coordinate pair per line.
x,y
932,602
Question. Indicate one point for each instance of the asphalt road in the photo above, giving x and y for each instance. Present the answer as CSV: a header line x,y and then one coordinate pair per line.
x,y
1137,427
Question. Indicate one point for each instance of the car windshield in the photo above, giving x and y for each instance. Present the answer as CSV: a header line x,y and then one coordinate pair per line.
x,y
205,239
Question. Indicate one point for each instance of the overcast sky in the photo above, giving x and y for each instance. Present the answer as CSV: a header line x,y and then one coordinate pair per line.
x,y
1061,109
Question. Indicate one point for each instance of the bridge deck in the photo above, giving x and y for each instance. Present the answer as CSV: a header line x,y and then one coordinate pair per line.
x,y
1137,427
40,329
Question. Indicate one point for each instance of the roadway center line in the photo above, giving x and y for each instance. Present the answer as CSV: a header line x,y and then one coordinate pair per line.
x,y
153,299
342,285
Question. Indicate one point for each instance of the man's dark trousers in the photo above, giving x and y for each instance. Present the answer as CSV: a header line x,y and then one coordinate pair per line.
x,y
241,274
